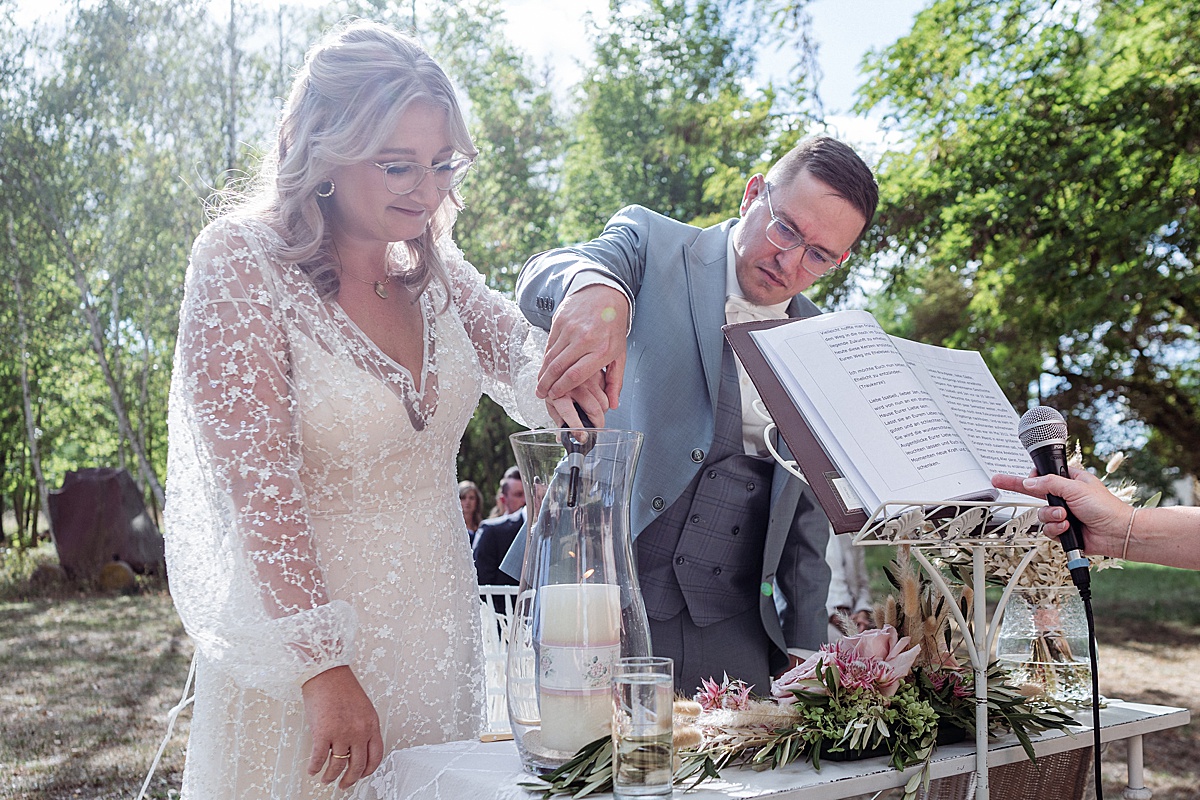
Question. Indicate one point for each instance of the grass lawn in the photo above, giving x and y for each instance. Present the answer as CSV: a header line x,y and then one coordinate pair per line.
x,y
87,678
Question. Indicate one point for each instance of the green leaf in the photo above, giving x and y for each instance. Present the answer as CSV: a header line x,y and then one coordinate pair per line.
x,y
913,783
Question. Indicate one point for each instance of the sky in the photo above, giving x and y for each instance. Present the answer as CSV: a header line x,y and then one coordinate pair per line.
x,y
553,31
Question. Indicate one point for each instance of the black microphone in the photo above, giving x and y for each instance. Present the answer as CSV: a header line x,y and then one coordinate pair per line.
x,y
1043,432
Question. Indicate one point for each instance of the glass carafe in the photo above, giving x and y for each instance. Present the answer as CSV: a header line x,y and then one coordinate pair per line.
x,y
578,605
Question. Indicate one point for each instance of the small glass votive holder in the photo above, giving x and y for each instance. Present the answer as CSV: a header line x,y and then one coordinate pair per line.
x,y
643,702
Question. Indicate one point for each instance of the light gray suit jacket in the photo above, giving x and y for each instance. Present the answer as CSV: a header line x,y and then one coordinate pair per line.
x,y
676,274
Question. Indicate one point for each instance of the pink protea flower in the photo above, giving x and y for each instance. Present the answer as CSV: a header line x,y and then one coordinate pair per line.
x,y
939,678
730,695
875,660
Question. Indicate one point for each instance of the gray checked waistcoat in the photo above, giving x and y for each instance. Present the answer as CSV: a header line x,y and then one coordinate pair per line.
x,y
705,551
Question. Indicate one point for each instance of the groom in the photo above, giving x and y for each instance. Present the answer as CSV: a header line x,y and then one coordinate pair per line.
x,y
729,548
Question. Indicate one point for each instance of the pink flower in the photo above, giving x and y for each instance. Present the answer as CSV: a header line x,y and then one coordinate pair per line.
x,y
960,688
875,660
731,695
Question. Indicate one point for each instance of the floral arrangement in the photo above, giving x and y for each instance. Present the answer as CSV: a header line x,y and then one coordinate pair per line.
x,y
895,691
852,699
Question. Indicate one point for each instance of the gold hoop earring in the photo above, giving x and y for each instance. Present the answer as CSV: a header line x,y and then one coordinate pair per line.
x,y
328,193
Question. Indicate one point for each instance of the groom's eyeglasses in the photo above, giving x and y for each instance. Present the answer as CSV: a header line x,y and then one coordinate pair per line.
x,y
783,236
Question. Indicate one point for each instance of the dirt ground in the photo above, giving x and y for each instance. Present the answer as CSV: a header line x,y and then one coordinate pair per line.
x,y
1158,664
86,684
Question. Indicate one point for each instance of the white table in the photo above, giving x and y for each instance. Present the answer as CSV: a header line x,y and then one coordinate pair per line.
x,y
478,771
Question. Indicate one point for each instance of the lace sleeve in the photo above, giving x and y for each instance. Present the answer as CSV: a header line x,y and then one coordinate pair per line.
x,y
508,347
244,574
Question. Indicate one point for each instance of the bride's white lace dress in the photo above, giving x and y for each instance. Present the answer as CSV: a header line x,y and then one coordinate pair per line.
x,y
312,514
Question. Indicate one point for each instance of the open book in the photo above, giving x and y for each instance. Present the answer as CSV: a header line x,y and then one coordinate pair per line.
x,y
897,420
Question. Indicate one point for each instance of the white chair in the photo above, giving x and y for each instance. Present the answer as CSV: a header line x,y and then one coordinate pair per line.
x,y
495,626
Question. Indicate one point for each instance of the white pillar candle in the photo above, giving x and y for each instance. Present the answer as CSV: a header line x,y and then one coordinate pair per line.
x,y
580,643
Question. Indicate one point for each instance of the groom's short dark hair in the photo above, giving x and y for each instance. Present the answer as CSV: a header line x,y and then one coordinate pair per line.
x,y
835,164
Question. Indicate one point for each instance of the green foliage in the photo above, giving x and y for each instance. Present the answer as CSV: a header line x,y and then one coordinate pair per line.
x,y
512,208
666,120
1046,212
114,131
587,772
858,721
100,222
1148,596
485,452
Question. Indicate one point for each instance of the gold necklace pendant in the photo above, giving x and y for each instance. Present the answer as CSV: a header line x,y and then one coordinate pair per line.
x,y
380,290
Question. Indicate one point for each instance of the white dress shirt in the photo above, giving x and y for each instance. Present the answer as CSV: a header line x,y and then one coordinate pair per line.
x,y
739,309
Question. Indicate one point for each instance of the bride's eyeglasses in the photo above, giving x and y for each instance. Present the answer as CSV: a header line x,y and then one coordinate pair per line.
x,y
403,177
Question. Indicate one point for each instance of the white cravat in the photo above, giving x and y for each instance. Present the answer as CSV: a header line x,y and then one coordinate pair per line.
x,y
739,309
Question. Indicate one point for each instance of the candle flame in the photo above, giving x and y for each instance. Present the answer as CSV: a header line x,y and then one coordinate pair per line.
x,y
589,573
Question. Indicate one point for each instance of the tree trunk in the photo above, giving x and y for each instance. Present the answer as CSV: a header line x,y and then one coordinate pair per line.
x,y
55,229
147,428
231,118
26,396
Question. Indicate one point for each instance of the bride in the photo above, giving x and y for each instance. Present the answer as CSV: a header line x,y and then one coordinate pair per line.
x,y
332,346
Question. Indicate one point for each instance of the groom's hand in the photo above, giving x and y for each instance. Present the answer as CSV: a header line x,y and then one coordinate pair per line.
x,y
587,339
343,722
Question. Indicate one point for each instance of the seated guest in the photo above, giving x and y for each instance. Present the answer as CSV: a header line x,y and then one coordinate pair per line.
x,y
471,500
495,537
509,496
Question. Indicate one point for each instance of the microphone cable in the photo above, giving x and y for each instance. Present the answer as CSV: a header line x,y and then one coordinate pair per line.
x,y
1085,594
1043,432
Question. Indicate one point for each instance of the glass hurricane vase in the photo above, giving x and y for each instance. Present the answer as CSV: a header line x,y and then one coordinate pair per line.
x,y
578,606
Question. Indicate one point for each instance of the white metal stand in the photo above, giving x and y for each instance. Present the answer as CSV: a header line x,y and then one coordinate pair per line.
x,y
975,526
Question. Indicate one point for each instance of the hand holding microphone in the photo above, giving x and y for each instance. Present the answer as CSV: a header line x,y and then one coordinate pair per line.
x,y
1103,516
1043,432
1166,535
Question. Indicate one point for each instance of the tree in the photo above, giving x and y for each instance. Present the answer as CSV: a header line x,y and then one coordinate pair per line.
x,y
101,141
1046,202
665,118
31,318
512,209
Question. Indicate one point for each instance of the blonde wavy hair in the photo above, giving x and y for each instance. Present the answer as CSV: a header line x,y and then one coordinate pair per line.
x,y
346,101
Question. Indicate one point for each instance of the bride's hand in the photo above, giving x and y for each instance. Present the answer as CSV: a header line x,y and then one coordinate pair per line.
x,y
342,721
589,397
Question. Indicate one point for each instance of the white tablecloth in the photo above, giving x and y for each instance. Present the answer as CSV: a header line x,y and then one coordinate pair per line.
x,y
491,771
470,770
